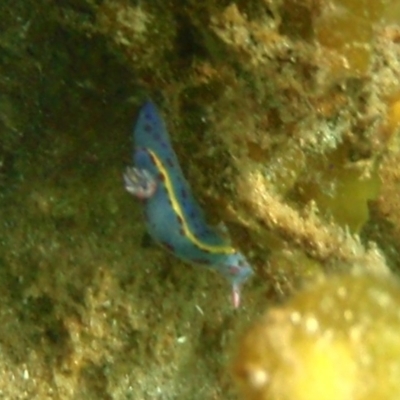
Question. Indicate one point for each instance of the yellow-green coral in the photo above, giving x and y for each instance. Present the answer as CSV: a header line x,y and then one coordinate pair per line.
x,y
337,339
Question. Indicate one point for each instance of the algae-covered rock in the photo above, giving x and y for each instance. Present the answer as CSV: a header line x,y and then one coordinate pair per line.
x,y
338,339
280,112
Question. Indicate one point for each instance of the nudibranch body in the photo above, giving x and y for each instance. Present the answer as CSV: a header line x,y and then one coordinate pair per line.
x,y
173,217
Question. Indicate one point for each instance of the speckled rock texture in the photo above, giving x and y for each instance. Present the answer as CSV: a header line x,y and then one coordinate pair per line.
x,y
285,117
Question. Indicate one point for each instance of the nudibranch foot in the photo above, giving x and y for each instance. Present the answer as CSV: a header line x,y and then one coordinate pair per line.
x,y
139,182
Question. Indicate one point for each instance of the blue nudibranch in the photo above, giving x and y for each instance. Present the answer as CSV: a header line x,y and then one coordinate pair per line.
x,y
173,217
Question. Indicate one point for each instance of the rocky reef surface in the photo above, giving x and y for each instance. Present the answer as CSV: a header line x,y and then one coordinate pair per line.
x,y
285,116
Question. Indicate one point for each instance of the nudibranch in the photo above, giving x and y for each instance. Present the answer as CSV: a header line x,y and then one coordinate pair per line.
x,y
173,217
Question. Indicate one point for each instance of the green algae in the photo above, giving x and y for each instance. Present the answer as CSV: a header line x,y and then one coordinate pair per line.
x,y
333,181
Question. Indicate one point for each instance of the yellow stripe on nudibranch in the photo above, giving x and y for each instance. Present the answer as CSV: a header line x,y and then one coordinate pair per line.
x,y
176,206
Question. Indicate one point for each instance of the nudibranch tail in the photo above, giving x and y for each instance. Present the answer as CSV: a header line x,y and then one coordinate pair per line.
x,y
237,270
235,296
